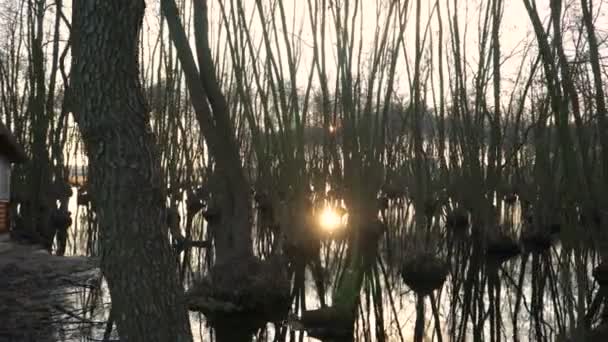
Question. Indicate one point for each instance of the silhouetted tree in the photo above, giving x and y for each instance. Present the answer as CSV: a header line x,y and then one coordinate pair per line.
x,y
124,176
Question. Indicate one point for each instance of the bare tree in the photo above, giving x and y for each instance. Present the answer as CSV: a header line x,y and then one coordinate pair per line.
x,y
211,107
600,102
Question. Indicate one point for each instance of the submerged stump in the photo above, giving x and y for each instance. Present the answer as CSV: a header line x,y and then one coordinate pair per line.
x,y
501,248
510,198
242,295
538,240
330,322
424,273
394,189
458,220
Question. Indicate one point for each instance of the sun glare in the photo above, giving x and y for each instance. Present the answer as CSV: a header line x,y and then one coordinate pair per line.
x,y
329,219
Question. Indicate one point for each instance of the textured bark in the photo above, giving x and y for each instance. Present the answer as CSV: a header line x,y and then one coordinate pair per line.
x,y
124,172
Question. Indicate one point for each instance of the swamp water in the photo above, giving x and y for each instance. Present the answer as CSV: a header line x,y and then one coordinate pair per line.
x,y
541,296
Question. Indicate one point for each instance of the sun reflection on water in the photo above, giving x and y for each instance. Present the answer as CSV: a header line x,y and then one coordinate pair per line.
x,y
330,219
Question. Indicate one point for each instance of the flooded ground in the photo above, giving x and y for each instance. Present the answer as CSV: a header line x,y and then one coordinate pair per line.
x,y
546,294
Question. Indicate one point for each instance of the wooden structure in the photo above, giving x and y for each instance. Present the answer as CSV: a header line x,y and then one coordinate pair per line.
x,y
10,152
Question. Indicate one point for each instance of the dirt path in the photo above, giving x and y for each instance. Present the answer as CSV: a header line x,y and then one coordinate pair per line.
x,y
32,285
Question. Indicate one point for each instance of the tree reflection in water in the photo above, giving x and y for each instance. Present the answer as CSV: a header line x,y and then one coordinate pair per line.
x,y
546,294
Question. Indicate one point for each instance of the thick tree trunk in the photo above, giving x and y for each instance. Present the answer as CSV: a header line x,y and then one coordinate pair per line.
x,y
124,172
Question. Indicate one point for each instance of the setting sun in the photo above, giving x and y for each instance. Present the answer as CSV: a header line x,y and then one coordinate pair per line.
x,y
329,219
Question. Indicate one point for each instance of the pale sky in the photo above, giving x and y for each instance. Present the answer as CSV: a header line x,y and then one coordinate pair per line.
x,y
516,32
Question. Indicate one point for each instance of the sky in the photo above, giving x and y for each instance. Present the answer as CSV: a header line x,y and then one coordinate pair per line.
x,y
516,33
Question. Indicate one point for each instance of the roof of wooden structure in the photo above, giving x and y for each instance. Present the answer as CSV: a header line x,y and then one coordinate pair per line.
x,y
9,147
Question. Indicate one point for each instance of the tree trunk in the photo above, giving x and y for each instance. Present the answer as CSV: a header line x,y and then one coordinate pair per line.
x,y
124,172
419,325
233,235
558,105
600,102
37,208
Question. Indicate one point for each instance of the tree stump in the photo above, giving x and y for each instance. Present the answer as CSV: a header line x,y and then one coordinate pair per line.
x,y
424,273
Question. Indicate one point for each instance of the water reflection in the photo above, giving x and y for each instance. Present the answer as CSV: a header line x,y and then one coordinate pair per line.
x,y
332,219
490,293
